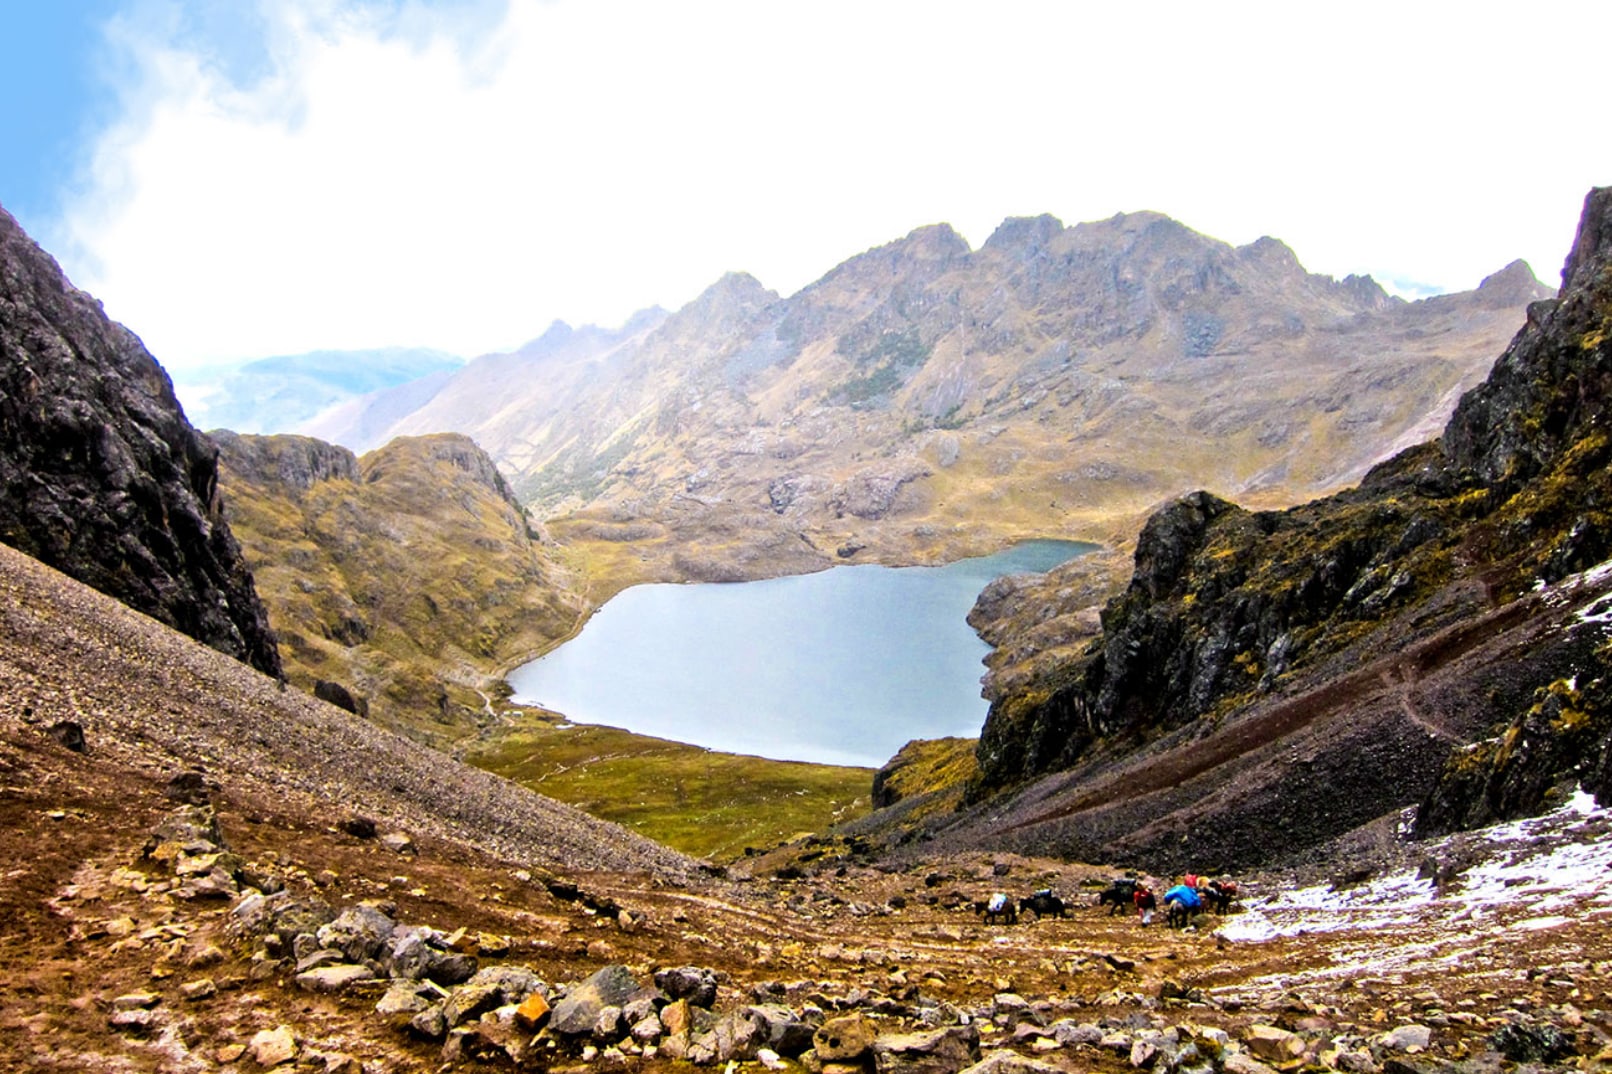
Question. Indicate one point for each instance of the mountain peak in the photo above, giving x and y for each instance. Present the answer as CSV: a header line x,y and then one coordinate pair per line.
x,y
1271,252
1024,234
557,334
1513,285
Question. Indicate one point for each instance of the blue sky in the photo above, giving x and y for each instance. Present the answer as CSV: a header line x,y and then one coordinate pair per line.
x,y
237,178
55,93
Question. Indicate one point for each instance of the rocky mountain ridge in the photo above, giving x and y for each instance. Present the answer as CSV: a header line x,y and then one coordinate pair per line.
x,y
402,584
1347,643
101,476
924,400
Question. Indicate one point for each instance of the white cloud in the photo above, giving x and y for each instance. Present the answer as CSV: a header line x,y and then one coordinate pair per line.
x,y
413,179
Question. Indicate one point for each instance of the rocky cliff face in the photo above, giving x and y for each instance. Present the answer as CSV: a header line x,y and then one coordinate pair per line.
x,y
101,476
1347,631
406,580
924,400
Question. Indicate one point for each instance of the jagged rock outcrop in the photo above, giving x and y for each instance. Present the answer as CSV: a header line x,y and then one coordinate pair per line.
x,y
1239,628
401,583
101,476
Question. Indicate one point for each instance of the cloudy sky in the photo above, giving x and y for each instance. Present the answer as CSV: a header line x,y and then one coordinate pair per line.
x,y
238,178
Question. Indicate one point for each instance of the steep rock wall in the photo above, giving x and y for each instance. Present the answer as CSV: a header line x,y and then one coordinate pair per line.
x,y
101,476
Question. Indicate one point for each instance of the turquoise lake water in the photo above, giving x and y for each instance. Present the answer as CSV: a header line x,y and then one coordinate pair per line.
x,y
844,666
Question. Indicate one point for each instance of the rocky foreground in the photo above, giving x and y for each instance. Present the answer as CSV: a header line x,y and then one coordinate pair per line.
x,y
171,925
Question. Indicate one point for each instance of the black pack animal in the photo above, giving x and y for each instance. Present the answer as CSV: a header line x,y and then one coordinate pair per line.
x,y
1219,895
999,908
1117,896
1044,903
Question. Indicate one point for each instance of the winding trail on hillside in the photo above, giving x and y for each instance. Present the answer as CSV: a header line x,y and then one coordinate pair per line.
x,y
1268,725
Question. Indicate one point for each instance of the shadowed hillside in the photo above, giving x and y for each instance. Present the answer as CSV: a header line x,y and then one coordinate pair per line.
x,y
101,476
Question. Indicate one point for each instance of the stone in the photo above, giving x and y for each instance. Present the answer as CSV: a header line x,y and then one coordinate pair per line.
x,y
271,1047
284,915
482,1042
645,1002
845,1038
397,843
138,1021
452,969
429,1024
202,957
782,1030
324,956
938,1051
333,978
70,733
1353,1062
403,997
608,1026
471,1000
692,983
533,1011
576,1014
188,787
1069,1032
647,1030
357,826
1532,1043
514,983
675,1017
1006,1062
1274,1044
1407,1038
200,989
135,1001
736,1037
359,932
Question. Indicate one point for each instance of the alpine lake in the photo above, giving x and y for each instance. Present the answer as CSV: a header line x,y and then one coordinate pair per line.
x,y
840,667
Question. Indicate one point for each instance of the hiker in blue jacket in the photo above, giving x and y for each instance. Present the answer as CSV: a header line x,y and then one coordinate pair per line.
x,y
1180,903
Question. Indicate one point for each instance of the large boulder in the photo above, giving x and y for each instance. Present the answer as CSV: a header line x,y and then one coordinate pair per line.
x,y
578,1013
359,932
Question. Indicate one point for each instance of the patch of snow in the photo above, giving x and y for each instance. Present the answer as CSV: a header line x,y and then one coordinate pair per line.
x,y
1534,923
1551,869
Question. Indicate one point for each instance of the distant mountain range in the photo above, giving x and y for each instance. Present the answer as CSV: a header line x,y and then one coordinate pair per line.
x,y
924,400
280,394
